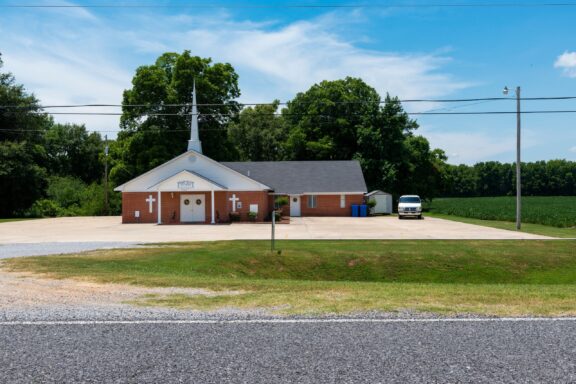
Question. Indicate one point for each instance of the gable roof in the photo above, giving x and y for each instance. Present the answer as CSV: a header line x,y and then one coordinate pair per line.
x,y
197,164
298,177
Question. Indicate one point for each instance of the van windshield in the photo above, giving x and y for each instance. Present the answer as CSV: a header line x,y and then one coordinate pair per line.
x,y
410,199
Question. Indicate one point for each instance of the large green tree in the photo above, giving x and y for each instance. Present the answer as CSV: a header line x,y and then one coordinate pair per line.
x,y
22,126
346,119
326,119
156,126
72,151
259,133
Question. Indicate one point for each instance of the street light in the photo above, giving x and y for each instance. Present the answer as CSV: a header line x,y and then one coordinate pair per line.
x,y
518,163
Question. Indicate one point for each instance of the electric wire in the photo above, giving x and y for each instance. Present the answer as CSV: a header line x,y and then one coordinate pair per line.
x,y
235,104
305,6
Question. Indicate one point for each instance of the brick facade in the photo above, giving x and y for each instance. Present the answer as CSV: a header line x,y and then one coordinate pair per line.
x,y
329,205
136,201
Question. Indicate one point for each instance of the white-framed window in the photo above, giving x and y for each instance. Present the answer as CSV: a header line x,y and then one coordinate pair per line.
x,y
312,201
342,201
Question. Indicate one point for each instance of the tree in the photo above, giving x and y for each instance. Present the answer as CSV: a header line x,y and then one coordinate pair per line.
x,y
72,151
21,131
20,117
325,120
155,130
259,133
23,181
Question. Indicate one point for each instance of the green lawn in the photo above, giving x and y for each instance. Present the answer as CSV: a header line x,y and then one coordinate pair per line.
x,y
505,278
16,219
537,229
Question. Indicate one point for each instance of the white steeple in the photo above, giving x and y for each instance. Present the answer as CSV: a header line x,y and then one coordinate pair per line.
x,y
194,142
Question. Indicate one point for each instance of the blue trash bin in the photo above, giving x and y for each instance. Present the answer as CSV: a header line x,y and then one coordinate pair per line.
x,y
355,210
363,210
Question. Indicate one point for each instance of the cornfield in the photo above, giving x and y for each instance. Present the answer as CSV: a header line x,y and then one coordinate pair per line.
x,y
556,211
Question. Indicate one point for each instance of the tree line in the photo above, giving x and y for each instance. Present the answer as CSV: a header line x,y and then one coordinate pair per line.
x,y
540,178
45,168
49,169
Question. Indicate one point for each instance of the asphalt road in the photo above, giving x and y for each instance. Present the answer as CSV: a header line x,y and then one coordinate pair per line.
x,y
463,352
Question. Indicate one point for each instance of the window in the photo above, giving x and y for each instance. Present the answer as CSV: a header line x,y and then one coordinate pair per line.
x,y
342,201
312,201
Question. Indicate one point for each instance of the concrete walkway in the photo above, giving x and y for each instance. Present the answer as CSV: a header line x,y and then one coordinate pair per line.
x,y
110,229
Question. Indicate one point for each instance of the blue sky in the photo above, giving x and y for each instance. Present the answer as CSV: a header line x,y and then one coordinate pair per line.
x,y
89,55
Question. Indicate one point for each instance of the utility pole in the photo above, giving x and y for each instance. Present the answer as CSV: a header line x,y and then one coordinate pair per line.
x,y
518,159
106,149
518,164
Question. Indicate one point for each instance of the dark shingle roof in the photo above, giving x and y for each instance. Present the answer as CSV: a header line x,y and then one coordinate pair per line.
x,y
296,177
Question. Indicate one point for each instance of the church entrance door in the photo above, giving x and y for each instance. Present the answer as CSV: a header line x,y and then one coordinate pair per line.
x,y
192,208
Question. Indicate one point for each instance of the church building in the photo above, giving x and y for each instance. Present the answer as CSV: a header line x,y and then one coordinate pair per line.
x,y
192,188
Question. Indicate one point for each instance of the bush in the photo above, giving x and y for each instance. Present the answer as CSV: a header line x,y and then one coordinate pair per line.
x,y
45,208
281,201
252,216
278,215
234,216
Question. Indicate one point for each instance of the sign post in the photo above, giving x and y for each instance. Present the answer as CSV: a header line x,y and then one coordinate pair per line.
x,y
273,229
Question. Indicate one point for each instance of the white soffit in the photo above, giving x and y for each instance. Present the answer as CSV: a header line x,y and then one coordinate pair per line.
x,y
186,181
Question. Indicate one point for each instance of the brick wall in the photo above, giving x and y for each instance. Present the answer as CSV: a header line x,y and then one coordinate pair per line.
x,y
329,205
246,198
136,201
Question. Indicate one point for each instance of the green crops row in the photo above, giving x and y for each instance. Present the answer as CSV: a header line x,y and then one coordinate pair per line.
x,y
556,211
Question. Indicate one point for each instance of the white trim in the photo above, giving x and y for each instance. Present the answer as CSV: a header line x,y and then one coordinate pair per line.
x,y
121,187
159,207
212,220
315,193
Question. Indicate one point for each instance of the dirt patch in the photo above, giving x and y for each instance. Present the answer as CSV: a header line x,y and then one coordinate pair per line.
x,y
27,290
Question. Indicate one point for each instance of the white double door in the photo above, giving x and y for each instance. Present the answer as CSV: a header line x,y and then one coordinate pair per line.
x,y
192,208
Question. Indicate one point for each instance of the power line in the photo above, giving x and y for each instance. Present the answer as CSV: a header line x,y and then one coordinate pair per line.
x,y
309,114
549,98
303,6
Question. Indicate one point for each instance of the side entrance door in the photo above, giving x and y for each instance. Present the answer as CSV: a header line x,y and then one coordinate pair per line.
x,y
295,206
192,208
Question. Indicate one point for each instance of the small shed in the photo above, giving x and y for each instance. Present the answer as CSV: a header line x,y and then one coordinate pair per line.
x,y
383,202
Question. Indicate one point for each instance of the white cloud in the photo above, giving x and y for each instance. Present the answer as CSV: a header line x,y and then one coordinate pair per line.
x,y
567,62
573,149
85,59
290,59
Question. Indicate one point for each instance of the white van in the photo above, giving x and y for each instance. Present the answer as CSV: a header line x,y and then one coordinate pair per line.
x,y
409,205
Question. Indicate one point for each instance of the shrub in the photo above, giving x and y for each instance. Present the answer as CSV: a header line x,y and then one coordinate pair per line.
x,y
278,215
281,201
234,216
252,216
45,208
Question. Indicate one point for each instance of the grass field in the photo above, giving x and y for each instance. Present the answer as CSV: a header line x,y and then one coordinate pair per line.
x,y
555,211
506,278
15,219
537,229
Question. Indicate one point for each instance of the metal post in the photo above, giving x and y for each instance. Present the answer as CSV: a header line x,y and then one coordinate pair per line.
x,y
518,164
106,207
273,228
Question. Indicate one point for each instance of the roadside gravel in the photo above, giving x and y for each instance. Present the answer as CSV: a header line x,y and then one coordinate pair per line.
x,y
40,249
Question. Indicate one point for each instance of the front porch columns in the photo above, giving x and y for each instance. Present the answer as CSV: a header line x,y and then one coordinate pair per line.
x,y
159,207
213,221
